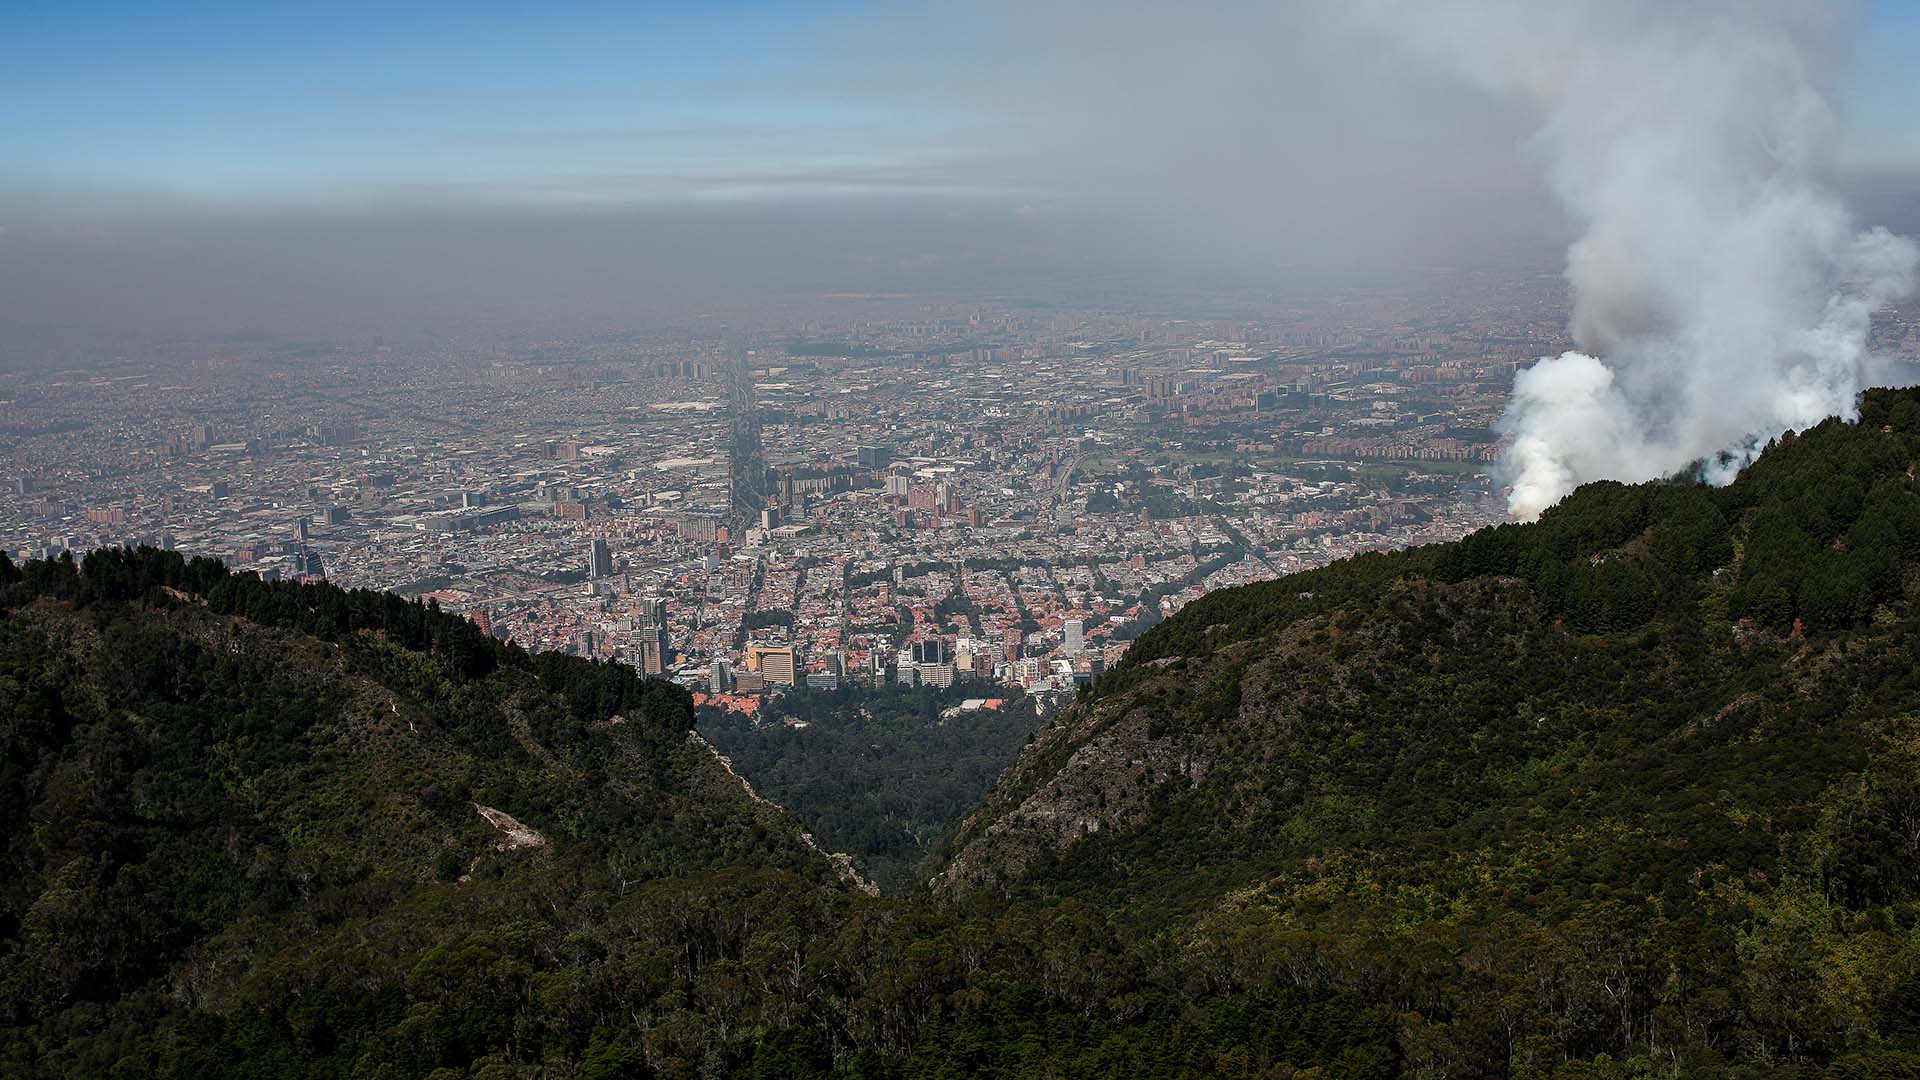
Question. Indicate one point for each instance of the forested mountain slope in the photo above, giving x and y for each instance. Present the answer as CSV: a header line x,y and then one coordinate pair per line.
x,y
1641,777
1633,791
270,830
882,773
222,791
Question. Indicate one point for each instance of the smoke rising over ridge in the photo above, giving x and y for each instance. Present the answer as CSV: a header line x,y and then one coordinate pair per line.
x,y
1721,291
1049,150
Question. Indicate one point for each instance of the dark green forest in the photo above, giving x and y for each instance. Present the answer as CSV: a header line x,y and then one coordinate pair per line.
x,y
877,772
1629,791
248,845
1632,791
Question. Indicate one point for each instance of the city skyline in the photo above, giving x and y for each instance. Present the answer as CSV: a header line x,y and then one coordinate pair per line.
x,y
1108,539
972,494
836,334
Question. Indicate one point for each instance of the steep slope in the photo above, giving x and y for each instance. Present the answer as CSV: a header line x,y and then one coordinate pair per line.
x,y
270,830
883,773
200,802
1640,777
1631,792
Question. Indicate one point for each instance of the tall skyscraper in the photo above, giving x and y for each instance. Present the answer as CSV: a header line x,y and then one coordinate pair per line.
x,y
653,612
1074,632
599,559
655,651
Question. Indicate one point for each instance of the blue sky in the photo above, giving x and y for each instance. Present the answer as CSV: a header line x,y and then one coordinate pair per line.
x,y
282,104
376,101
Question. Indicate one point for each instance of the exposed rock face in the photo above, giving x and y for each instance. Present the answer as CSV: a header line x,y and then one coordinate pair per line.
x,y
513,835
1112,764
1223,721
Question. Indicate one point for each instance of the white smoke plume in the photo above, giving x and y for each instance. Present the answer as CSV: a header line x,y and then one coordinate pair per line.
x,y
1721,291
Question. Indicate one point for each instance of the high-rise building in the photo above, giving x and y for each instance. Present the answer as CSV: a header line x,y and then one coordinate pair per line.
x,y
655,651
653,612
1073,633
699,527
599,559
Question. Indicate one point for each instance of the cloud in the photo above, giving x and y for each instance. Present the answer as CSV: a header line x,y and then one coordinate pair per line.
x,y
997,146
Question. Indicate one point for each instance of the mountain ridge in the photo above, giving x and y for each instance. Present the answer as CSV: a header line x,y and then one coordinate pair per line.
x,y
1666,723
1632,791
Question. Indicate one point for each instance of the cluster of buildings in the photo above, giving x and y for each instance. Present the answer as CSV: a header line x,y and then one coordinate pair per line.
x,y
894,490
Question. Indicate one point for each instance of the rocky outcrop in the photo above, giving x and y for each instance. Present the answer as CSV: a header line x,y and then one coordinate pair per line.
x,y
1110,764
513,835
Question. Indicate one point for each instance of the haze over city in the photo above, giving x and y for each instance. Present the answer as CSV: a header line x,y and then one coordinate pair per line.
x,y
239,167
1168,301
1318,540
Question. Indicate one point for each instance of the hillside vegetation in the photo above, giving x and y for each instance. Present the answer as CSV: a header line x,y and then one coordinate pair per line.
x,y
272,830
220,791
881,773
1640,780
1632,791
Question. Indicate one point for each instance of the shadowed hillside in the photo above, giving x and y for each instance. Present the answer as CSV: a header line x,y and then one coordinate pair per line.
x,y
1639,778
1633,791
273,830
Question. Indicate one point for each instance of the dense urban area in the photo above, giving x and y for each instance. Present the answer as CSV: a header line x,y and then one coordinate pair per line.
x,y
891,490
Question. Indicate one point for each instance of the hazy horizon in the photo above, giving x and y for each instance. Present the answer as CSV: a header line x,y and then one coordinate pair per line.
x,y
262,171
